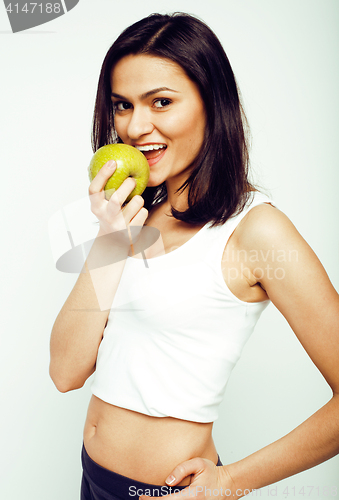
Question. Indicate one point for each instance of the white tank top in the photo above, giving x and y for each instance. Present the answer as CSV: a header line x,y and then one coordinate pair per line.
x,y
175,330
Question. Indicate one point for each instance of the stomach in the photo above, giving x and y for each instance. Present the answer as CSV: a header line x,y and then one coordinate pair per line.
x,y
142,447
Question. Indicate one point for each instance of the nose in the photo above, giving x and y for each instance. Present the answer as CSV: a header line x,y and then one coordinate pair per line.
x,y
139,124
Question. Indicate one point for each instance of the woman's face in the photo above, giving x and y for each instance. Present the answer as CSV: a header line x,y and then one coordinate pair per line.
x,y
159,110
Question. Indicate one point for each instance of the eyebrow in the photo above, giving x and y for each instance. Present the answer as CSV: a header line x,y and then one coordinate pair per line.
x,y
146,94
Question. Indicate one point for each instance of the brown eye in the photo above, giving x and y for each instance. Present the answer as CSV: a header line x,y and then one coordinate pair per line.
x,y
162,103
122,106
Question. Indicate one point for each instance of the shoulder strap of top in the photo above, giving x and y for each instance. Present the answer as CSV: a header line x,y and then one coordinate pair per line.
x,y
256,198
221,234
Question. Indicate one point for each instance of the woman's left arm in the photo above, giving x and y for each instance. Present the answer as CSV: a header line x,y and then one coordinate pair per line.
x,y
299,287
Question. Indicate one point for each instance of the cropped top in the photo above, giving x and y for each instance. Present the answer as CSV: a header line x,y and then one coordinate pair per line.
x,y
175,330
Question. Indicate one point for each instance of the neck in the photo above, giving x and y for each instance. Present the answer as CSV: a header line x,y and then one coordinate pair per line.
x,y
177,200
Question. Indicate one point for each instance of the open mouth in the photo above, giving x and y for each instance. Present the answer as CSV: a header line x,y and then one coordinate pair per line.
x,y
152,151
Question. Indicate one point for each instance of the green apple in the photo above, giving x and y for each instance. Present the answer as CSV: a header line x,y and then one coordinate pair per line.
x,y
130,163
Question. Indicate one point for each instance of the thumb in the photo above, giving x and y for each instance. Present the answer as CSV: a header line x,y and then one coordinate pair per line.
x,y
193,466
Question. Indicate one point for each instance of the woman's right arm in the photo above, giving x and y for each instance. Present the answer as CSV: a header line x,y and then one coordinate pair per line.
x,y
78,328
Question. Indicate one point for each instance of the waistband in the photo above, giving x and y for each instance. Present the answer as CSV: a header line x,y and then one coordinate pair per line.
x,y
122,486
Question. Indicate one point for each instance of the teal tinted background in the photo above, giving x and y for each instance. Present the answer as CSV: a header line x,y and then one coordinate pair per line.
x,y
284,54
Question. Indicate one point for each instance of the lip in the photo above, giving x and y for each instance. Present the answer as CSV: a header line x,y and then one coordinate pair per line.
x,y
153,161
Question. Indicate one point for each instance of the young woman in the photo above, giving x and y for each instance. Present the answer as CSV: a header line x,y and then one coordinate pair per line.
x,y
168,322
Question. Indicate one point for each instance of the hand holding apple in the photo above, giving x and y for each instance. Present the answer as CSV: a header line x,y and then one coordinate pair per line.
x,y
130,163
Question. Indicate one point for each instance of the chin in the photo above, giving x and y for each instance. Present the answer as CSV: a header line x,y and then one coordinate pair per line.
x,y
154,182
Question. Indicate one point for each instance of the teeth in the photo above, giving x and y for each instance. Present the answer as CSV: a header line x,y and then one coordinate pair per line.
x,y
150,147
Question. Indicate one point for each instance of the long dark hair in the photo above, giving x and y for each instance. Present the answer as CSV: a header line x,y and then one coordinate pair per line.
x,y
218,185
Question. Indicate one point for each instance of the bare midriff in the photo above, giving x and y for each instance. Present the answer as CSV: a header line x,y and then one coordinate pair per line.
x,y
142,447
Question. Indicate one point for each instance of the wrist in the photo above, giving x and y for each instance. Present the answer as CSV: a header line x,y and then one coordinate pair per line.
x,y
232,483
113,239
228,483
106,249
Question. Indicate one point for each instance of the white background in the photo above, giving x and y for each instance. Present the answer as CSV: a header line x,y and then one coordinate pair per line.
x,y
285,56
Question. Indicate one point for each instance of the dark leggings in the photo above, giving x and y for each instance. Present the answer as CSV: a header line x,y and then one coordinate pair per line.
x,y
99,483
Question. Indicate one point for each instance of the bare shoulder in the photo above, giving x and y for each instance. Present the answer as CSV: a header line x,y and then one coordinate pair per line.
x,y
268,234
266,225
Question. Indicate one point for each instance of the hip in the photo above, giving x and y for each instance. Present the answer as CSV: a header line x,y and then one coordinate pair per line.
x,y
102,484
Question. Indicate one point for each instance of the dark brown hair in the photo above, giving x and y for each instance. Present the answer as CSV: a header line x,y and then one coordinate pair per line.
x,y
218,185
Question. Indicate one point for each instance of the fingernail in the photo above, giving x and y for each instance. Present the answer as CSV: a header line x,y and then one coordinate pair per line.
x,y
170,479
111,164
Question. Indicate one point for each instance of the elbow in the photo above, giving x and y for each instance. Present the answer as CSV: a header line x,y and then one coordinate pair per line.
x,y
63,384
62,388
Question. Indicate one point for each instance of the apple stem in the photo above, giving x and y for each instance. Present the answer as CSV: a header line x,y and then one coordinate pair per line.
x,y
130,239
